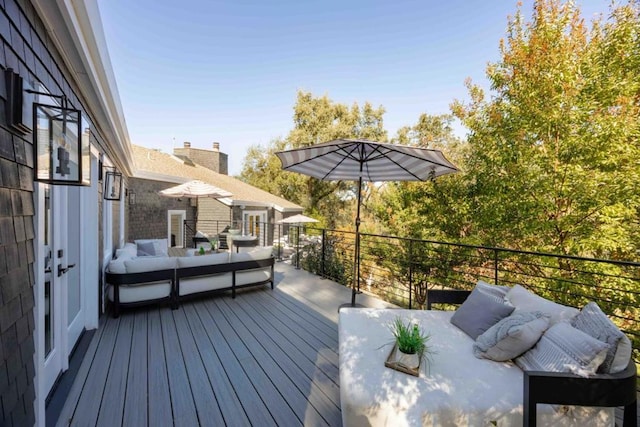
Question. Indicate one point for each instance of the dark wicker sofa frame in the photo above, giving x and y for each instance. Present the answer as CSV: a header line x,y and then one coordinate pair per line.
x,y
174,275
605,390
233,267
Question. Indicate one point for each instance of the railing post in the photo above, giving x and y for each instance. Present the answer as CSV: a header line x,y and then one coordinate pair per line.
x,y
298,248
323,254
279,242
410,273
495,266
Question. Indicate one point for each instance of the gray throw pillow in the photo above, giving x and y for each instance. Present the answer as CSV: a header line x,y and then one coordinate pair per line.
x,y
511,336
564,348
496,291
478,313
592,321
146,249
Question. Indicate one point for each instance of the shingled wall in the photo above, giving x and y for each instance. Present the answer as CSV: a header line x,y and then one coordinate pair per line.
x,y
26,48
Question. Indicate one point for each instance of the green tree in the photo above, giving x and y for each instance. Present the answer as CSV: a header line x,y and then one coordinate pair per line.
x,y
316,120
552,158
432,209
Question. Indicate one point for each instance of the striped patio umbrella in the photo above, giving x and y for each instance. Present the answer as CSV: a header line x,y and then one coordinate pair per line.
x,y
362,160
195,189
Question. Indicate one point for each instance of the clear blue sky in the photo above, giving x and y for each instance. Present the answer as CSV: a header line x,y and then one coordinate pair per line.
x,y
228,71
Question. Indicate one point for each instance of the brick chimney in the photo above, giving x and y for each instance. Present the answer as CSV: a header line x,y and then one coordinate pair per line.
x,y
211,159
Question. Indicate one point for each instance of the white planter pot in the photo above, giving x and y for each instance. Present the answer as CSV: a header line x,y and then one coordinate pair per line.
x,y
411,361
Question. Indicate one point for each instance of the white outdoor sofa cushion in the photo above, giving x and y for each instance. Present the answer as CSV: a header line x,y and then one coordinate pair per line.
x,y
197,284
456,389
142,291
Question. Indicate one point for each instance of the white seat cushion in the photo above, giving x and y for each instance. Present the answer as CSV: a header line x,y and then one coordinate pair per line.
x,y
145,264
198,261
143,292
193,285
456,389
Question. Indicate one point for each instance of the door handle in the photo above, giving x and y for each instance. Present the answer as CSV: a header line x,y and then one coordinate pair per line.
x,y
62,270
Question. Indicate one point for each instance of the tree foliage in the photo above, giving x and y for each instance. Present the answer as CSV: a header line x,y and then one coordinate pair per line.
x,y
552,156
316,120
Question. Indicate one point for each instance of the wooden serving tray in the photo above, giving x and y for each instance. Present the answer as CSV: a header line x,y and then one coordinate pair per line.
x,y
390,363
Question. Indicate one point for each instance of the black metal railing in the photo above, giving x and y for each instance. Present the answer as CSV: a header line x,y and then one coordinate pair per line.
x,y
400,270
287,239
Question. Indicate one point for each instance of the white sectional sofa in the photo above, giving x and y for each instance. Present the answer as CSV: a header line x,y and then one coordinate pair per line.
x,y
154,277
461,385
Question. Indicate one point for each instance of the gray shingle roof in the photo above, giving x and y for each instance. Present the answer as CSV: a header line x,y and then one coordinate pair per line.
x,y
155,165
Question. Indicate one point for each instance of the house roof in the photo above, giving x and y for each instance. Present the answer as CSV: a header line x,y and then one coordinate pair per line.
x,y
158,166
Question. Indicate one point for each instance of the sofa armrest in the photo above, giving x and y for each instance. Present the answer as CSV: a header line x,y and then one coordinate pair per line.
x,y
446,296
606,390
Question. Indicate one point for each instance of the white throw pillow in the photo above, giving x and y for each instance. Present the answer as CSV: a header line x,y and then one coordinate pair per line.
x,y
564,348
117,266
511,336
128,251
524,300
261,252
197,261
145,264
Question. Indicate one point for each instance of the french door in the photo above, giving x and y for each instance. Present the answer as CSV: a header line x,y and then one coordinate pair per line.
x,y
175,231
254,222
58,292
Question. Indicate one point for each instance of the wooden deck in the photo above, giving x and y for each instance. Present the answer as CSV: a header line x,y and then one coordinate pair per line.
x,y
263,358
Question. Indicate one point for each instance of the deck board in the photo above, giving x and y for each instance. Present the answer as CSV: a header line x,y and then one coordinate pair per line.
x,y
89,403
135,413
182,402
295,353
290,381
246,393
230,407
203,395
277,404
266,358
67,411
159,400
116,382
305,339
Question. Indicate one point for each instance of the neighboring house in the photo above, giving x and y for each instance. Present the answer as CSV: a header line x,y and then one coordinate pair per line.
x,y
56,238
254,211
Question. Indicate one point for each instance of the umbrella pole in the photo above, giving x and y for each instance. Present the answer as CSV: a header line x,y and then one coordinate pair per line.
x,y
356,260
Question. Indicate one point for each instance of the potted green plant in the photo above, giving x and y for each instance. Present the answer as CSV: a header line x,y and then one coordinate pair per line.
x,y
411,343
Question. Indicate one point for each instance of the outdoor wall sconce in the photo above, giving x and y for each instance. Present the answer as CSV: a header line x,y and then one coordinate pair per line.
x,y
112,184
132,197
59,147
19,97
